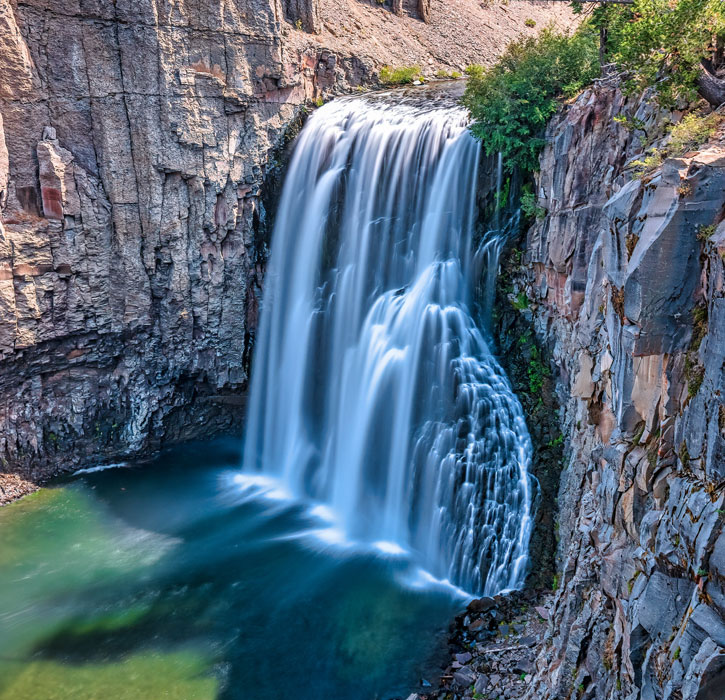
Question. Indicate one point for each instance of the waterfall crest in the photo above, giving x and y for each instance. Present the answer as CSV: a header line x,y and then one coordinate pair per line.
x,y
373,390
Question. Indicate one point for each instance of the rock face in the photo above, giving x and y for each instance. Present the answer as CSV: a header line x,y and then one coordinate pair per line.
x,y
136,138
133,145
626,282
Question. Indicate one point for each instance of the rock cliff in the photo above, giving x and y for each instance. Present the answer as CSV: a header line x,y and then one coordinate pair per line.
x,y
136,137
625,281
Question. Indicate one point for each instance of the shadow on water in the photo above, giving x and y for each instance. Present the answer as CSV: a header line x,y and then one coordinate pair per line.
x,y
167,577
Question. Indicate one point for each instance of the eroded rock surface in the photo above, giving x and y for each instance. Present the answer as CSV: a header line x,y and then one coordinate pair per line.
x,y
625,279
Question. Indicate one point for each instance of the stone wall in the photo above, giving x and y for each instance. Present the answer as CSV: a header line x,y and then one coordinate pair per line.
x,y
134,142
626,286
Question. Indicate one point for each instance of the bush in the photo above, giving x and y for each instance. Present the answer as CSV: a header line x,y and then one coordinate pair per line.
x,y
647,164
691,132
530,22
445,75
529,204
399,76
512,101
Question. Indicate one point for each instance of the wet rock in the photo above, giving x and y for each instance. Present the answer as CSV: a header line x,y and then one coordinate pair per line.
x,y
481,605
476,625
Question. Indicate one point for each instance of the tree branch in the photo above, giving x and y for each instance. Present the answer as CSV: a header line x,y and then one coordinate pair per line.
x,y
710,86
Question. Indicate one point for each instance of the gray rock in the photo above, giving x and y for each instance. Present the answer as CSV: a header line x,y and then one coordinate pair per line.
x,y
481,684
464,676
523,666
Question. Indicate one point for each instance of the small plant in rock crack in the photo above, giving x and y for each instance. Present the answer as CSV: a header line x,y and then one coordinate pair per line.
x,y
529,205
630,123
521,302
555,442
705,233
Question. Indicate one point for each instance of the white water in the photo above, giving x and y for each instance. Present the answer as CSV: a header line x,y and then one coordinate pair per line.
x,y
373,391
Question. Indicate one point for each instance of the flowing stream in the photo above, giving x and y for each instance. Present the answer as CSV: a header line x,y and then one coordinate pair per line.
x,y
374,392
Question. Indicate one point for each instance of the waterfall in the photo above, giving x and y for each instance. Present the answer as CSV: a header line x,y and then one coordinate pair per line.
x,y
373,390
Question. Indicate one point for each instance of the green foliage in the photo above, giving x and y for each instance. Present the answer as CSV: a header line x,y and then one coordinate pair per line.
x,y
446,75
555,442
529,204
661,42
537,372
644,166
530,22
631,123
521,302
399,76
512,101
705,233
692,131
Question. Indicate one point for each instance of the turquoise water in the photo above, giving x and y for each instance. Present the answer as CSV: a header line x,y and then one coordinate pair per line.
x,y
175,579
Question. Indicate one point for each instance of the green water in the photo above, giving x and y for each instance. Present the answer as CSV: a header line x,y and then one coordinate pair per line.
x,y
166,581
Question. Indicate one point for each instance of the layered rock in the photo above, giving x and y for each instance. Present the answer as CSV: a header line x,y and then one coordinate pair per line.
x,y
625,279
134,143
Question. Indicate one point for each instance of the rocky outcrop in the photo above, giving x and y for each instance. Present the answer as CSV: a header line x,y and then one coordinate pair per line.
x,y
625,279
134,144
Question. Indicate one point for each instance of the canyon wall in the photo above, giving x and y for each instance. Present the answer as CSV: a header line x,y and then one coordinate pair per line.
x,y
135,137
136,141
625,285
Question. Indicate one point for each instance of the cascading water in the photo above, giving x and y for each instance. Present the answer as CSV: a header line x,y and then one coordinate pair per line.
x,y
373,390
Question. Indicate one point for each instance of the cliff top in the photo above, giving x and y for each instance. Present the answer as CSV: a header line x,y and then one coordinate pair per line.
x,y
460,32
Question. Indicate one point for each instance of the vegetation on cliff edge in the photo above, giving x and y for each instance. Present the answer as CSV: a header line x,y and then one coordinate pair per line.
x,y
675,46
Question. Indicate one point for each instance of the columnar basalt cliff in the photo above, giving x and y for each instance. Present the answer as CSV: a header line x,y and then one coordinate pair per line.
x,y
625,278
135,141
136,135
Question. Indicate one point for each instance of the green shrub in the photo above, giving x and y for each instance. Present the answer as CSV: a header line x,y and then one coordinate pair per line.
x,y
644,166
512,101
530,22
399,76
521,302
445,75
529,204
691,132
